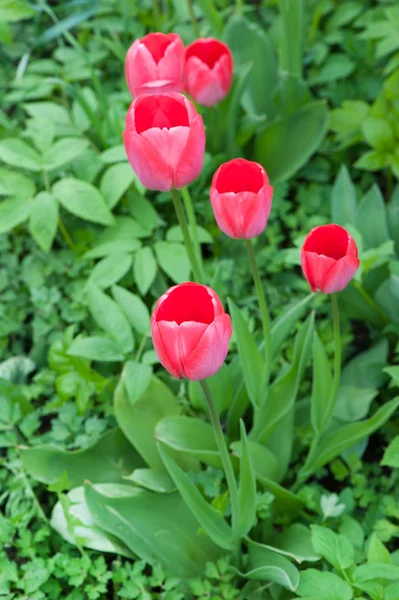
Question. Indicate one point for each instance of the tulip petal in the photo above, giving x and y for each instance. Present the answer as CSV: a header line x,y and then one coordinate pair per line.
x,y
170,143
167,359
192,155
316,269
140,68
211,351
147,163
171,65
179,342
257,212
340,275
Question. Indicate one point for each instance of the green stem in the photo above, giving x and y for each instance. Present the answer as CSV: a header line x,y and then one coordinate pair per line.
x,y
66,234
263,311
188,205
155,13
141,347
239,7
224,456
193,19
181,217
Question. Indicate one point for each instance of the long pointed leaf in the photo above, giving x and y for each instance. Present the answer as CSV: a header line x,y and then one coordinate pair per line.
x,y
247,487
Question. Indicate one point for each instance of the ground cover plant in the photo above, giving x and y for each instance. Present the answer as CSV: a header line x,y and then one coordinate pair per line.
x,y
235,436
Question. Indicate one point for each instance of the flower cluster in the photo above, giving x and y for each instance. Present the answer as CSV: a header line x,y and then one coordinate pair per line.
x,y
165,144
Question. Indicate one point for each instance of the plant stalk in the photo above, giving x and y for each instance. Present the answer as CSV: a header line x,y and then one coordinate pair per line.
x,y
181,217
224,455
193,19
188,205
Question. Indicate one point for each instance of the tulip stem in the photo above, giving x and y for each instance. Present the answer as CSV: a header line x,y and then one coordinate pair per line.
x,y
193,19
224,456
337,346
193,227
263,312
181,217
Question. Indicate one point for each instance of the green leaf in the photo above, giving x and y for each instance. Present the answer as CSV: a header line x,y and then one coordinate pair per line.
x,y
115,182
96,348
322,585
109,459
63,152
211,15
134,308
113,247
377,553
137,377
173,260
335,548
17,153
110,318
110,270
43,221
371,219
152,480
251,45
296,542
191,436
221,387
393,218
247,487
83,200
77,524
13,212
376,572
374,160
322,402
283,325
251,359
266,565
114,155
337,66
15,10
208,517
343,199
138,415
144,269
338,441
281,159
158,528
391,454
378,134
292,36
15,184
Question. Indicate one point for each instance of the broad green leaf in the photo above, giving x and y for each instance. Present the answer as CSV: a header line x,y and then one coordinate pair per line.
x,y
292,36
387,297
322,402
247,487
110,270
17,153
208,517
125,229
173,260
137,378
43,220
283,391
322,585
251,45
233,120
15,184
334,547
96,348
15,10
393,218
373,160
337,66
109,459
391,454
114,155
144,269
134,308
296,542
115,182
375,572
371,219
191,436
252,362
378,134
155,481
138,416
283,325
113,247
377,553
343,199
63,152
221,387
266,565
83,200
84,530
13,211
109,317
308,125
48,110
336,442
158,528
41,131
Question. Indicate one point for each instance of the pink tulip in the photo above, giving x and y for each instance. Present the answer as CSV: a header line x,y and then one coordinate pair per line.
x,y
155,64
209,70
164,141
241,198
329,258
190,331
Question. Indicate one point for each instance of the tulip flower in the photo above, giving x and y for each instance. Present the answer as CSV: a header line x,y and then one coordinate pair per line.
x,y
209,70
241,198
155,64
164,140
329,258
190,331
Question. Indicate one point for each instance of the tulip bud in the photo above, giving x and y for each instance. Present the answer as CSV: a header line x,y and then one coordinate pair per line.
x,y
164,141
190,331
155,64
329,258
209,71
241,198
